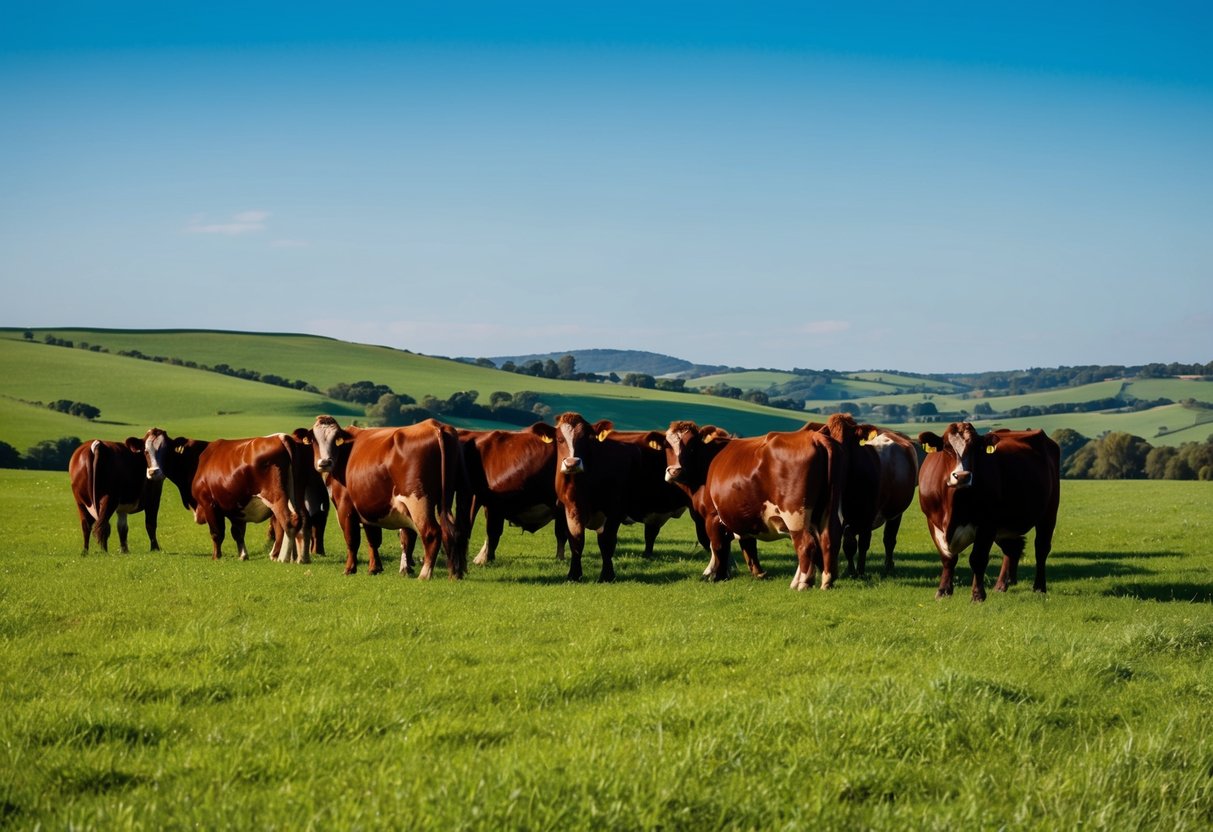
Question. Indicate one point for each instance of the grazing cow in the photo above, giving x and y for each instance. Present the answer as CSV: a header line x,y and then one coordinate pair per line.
x,y
241,480
396,478
512,478
882,470
593,474
784,484
977,490
110,478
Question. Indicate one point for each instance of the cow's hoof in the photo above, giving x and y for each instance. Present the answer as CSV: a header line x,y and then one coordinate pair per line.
x,y
942,593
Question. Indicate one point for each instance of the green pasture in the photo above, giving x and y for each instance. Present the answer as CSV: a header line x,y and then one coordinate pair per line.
x,y
165,690
1182,424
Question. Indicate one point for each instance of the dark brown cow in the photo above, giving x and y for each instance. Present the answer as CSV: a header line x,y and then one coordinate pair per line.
x,y
652,500
241,480
784,484
110,478
315,505
512,478
977,490
396,478
882,470
593,474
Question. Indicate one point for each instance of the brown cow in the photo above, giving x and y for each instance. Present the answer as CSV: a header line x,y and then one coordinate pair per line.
x,y
784,484
882,470
977,490
396,478
653,500
593,474
512,478
315,505
241,480
110,478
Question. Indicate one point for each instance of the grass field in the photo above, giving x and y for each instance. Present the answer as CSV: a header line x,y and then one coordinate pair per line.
x,y
151,691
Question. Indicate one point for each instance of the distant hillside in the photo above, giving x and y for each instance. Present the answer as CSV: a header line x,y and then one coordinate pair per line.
x,y
617,361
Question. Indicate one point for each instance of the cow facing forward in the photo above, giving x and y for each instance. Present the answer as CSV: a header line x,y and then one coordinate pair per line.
x,y
396,478
110,478
241,481
977,490
784,484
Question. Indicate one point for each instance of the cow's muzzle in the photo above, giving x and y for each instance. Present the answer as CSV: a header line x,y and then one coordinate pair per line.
x,y
155,474
324,465
673,473
960,479
571,465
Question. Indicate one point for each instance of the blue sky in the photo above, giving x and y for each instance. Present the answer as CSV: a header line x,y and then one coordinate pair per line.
x,y
929,187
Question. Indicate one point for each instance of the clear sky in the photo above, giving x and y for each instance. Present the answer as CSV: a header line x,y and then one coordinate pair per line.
x,y
922,186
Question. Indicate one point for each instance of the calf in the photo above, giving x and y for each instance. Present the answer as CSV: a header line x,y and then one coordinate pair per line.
x,y
512,475
977,490
784,484
241,480
882,469
396,478
110,478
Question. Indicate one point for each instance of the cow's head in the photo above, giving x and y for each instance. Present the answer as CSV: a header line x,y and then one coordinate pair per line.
x,y
576,440
326,438
157,449
963,443
688,451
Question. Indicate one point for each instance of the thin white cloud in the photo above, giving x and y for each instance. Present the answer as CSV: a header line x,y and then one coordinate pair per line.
x,y
825,327
245,222
289,244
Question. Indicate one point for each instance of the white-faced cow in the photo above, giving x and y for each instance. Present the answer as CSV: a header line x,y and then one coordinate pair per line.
x,y
110,478
239,480
396,478
882,470
784,484
977,490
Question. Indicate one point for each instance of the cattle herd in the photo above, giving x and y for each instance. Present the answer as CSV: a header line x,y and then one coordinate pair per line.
x,y
825,486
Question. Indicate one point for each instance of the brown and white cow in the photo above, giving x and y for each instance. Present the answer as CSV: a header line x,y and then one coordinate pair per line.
x,y
593,474
396,478
110,478
784,484
239,480
512,478
882,470
977,490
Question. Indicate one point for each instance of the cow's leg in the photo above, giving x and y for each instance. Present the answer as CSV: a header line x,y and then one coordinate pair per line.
x,y
560,526
947,560
1012,550
374,539
239,527
408,542
891,527
979,559
721,544
319,520
576,546
807,556
101,530
701,532
864,543
1043,545
273,536
749,549
431,542
123,530
494,526
214,523
850,545
302,537
86,525
607,539
650,537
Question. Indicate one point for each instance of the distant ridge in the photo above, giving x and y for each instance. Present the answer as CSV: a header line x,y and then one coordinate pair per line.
x,y
618,361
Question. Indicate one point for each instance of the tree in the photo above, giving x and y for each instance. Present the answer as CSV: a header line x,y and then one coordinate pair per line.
x,y
485,362
1120,456
51,454
1157,461
850,407
10,457
500,398
385,412
28,335
921,409
85,411
1078,465
757,397
640,380
1069,440
983,409
567,366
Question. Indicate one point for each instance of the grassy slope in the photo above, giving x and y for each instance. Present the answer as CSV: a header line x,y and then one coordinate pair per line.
x,y
169,691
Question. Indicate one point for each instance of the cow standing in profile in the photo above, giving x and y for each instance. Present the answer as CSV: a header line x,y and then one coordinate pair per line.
x,y
977,490
882,470
241,481
784,484
110,478
396,478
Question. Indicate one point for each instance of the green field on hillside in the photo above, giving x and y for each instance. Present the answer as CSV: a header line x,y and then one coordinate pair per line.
x,y
152,691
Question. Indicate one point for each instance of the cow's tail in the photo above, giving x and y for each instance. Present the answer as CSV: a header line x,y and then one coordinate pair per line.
x,y
454,496
295,534
830,525
93,462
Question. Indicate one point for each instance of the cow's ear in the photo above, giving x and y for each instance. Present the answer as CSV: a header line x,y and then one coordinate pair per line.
x,y
303,435
655,440
930,442
544,431
866,433
991,440
134,444
603,428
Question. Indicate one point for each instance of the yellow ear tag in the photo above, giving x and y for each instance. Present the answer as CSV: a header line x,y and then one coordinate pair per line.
x,y
307,440
873,435
654,444
989,449
602,436
547,440
928,449
340,441
180,449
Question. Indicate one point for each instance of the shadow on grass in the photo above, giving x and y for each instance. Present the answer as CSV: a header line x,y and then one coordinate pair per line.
x,y
1187,593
